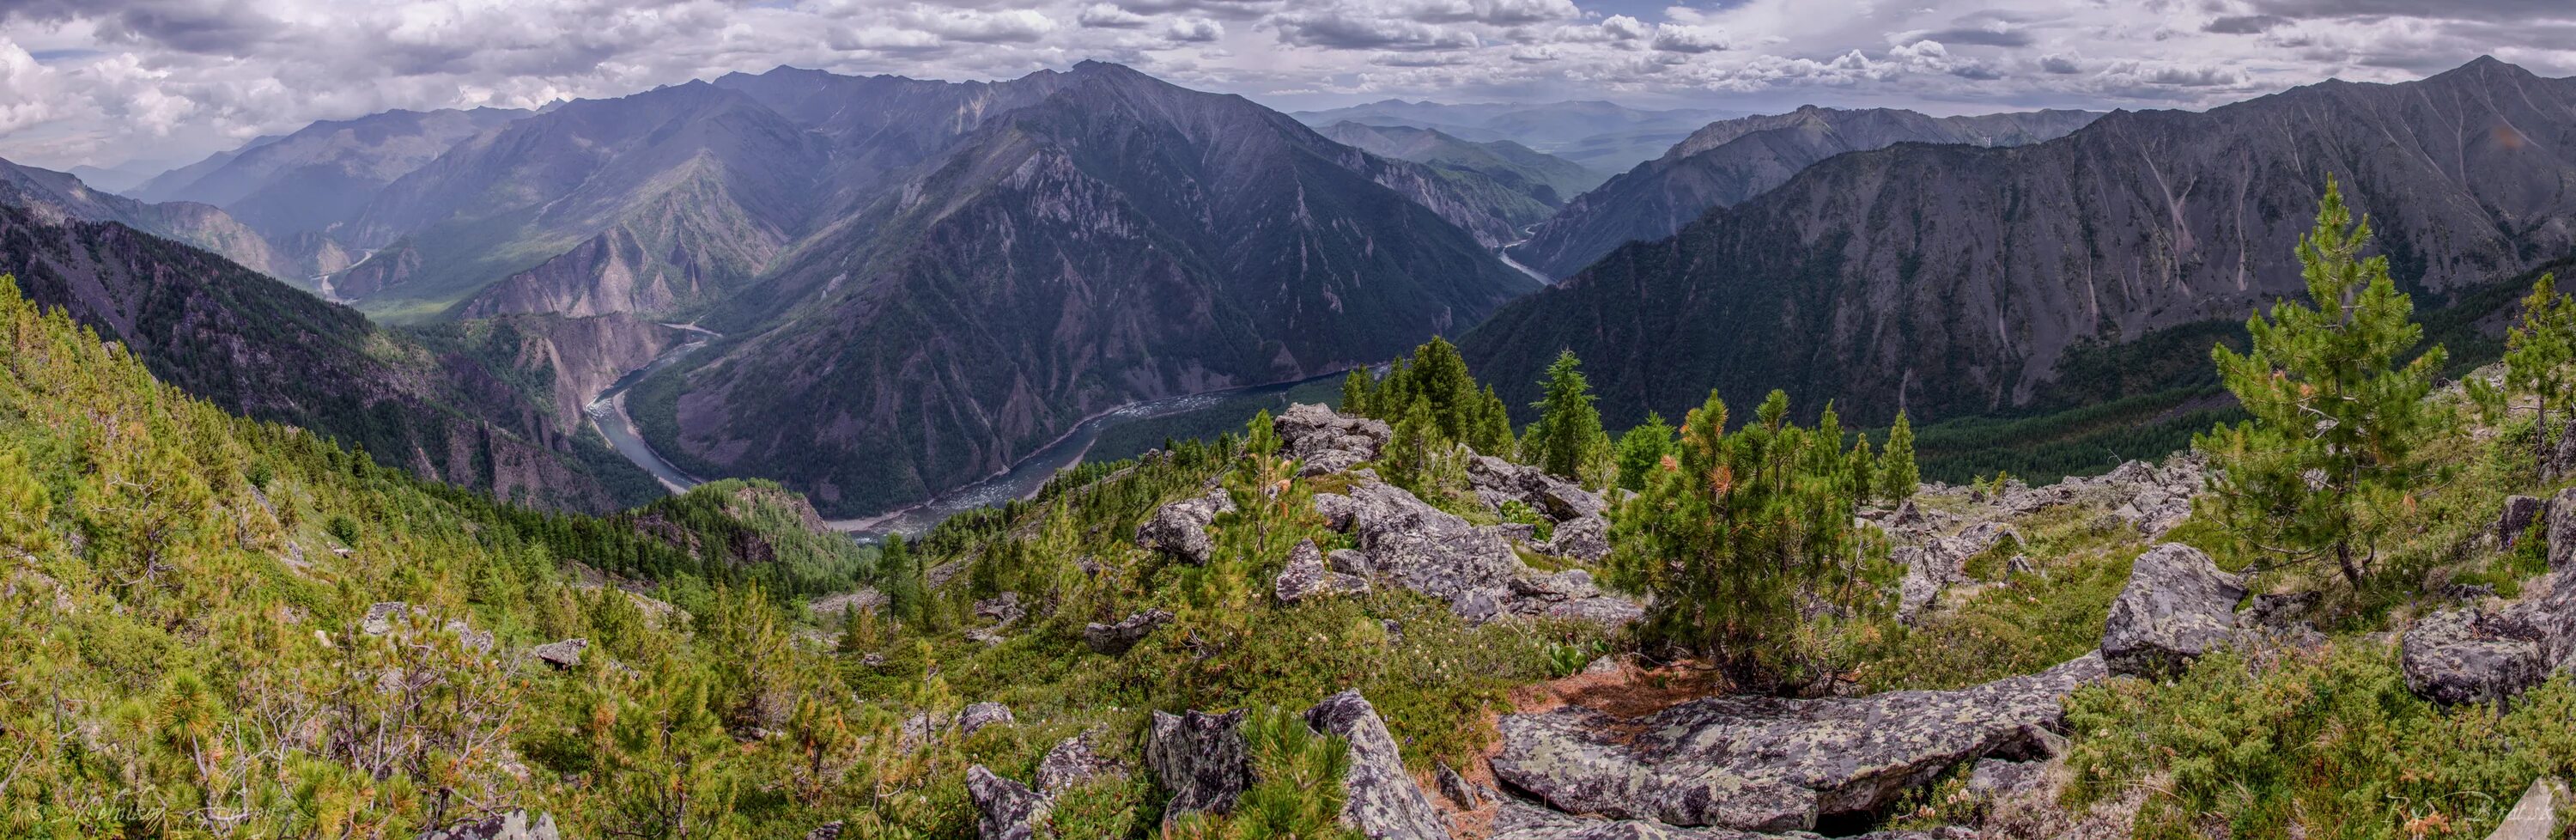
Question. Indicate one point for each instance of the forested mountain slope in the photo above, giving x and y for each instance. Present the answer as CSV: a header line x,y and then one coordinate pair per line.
x,y
1953,280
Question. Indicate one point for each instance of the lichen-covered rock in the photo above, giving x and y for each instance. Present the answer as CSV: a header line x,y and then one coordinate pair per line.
x,y
1005,809
827,831
2176,606
976,716
1496,480
1993,777
563,655
1003,609
1200,758
1072,762
1772,764
1306,576
1383,803
1350,562
1179,529
1460,792
1426,549
1324,441
1583,538
2461,656
507,825
2562,528
381,617
2519,513
1336,509
1116,639
468,638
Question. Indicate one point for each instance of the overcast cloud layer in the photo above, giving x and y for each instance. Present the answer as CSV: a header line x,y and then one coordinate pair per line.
x,y
104,82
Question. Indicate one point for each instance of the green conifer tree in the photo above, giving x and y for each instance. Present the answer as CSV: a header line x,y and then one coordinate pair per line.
x,y
1898,477
1642,450
2335,415
1569,427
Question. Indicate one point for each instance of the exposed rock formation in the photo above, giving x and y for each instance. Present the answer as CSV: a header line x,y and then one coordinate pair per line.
x,y
513,824
2462,656
1306,576
976,716
1115,639
562,656
2177,606
1771,764
1005,809
1324,441
2519,513
1384,803
2562,530
1179,529
1201,758
1072,762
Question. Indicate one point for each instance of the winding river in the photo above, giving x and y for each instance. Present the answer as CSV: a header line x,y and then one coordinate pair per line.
x,y
608,414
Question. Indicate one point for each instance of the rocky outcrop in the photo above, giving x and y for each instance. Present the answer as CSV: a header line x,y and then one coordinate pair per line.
x,y
1200,758
1933,563
2462,656
1325,441
1072,762
2562,530
507,825
2519,513
1003,609
976,716
1426,549
1772,764
1496,480
1306,577
1384,803
1583,538
380,617
1116,639
1179,529
563,655
2177,606
1005,809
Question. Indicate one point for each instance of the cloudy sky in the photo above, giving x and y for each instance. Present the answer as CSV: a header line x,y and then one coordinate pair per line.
x,y
107,82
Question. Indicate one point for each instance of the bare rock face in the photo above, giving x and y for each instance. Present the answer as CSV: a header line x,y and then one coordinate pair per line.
x,y
979,715
1307,577
1495,480
2177,606
1201,758
1324,441
1179,529
2562,530
1426,549
1772,764
1384,802
562,656
1072,762
2462,656
2519,513
1585,538
1005,810
508,825
1116,639
381,617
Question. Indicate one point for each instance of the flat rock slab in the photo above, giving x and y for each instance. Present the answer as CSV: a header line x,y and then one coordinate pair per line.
x,y
1384,802
2176,606
1769,764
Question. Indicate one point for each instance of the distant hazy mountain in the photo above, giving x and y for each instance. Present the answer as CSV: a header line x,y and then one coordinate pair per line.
x,y
1601,136
493,405
1952,279
322,174
56,197
116,179
1548,179
1112,239
1733,160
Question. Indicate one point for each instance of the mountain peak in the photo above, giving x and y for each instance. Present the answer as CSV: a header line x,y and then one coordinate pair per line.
x,y
2485,66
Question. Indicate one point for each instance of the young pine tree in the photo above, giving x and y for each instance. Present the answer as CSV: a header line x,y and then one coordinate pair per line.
x,y
1356,390
1569,428
2335,415
1641,451
1898,478
2537,354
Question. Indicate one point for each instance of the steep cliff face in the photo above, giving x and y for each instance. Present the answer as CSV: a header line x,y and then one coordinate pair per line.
x,y
1733,160
1954,279
459,411
1120,239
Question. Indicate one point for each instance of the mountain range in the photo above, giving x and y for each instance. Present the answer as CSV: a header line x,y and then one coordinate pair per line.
x,y
1950,280
1601,136
1545,178
1732,160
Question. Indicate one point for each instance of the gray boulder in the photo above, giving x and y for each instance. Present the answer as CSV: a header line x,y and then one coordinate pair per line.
x,y
1583,538
2461,656
1773,764
1336,509
1994,777
1426,549
2177,606
1384,803
1324,441
2562,528
1200,758
1003,609
512,824
979,715
563,655
381,617
1306,576
1005,810
1350,562
1072,762
1116,639
1179,529
2519,513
